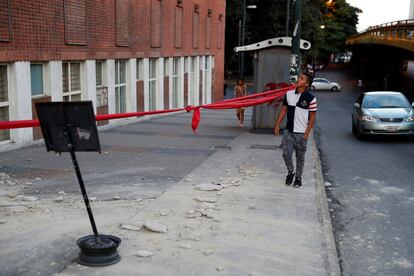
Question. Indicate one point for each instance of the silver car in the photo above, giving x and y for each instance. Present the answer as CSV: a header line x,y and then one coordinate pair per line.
x,y
324,84
383,113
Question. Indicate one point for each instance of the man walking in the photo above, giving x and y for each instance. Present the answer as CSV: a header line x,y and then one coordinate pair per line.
x,y
300,107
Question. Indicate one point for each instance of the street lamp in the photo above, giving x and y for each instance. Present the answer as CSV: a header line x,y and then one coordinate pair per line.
x,y
242,29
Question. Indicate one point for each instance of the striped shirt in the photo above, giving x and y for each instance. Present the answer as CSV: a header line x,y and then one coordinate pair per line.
x,y
298,107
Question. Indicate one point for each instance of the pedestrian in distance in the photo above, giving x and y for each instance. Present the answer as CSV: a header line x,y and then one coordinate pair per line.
x,y
240,90
300,107
360,86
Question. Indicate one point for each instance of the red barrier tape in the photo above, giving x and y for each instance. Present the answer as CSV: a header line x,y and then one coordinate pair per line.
x,y
246,101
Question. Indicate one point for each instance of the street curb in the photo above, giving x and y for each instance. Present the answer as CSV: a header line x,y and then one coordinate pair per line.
x,y
331,261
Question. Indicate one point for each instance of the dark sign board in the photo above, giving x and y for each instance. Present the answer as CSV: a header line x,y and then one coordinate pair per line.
x,y
68,126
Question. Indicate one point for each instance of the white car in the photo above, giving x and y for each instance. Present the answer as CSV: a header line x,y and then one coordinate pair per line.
x,y
324,84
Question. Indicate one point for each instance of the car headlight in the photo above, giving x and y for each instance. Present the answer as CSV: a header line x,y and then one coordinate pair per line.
x,y
409,118
367,118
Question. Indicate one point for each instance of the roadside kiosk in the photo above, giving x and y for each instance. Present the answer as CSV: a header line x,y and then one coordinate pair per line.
x,y
271,63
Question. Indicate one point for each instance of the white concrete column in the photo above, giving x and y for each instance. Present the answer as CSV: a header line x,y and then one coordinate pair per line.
x,y
160,84
203,73
197,91
208,79
170,66
88,73
131,83
109,77
53,80
20,100
181,82
190,89
145,71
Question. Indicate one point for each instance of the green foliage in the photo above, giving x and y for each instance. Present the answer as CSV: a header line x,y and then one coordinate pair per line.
x,y
269,21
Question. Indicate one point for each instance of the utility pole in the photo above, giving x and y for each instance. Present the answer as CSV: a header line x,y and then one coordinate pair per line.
x,y
242,38
295,61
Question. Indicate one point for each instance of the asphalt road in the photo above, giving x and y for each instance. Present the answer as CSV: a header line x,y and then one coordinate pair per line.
x,y
372,192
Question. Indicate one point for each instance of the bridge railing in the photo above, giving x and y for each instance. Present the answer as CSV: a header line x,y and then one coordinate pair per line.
x,y
395,30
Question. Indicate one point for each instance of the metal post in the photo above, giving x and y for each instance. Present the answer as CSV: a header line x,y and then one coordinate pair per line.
x,y
84,194
243,30
287,17
295,62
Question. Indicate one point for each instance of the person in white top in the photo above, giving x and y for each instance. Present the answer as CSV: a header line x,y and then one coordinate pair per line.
x,y
300,107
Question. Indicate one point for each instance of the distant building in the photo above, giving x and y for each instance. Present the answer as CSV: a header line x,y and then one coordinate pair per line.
x,y
123,55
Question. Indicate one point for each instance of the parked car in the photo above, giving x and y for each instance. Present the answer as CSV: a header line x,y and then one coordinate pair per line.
x,y
382,113
324,84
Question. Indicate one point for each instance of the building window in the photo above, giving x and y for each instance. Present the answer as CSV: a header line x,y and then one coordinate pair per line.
x,y
36,79
71,81
120,86
152,84
196,22
139,70
101,90
155,23
4,102
175,82
208,32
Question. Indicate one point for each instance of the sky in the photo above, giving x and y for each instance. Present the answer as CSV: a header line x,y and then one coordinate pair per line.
x,y
376,12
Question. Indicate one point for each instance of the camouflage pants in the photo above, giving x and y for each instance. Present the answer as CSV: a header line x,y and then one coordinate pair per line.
x,y
294,142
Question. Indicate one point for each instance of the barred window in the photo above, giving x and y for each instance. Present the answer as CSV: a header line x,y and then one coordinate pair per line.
x,y
120,86
175,82
71,81
152,83
4,102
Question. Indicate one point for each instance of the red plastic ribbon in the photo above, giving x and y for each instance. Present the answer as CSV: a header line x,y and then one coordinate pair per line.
x,y
246,101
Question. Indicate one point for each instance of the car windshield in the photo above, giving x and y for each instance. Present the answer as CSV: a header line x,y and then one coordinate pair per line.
x,y
385,101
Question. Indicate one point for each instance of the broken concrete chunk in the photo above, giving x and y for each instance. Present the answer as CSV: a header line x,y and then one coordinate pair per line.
x,y
144,254
132,227
12,195
58,199
27,198
206,205
2,221
208,252
206,199
327,184
191,214
209,187
155,226
61,193
116,197
208,213
185,246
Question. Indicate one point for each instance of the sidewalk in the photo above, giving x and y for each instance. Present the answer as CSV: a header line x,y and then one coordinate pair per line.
x,y
253,225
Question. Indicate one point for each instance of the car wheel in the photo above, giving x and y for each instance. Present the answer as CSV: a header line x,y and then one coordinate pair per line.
x,y
359,133
312,88
334,88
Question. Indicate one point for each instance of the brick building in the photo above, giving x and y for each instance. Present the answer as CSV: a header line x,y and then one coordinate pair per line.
x,y
123,55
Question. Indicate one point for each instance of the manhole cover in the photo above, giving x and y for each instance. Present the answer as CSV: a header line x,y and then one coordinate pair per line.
x,y
264,147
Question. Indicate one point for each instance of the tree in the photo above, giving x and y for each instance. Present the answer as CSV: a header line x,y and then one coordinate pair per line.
x,y
269,21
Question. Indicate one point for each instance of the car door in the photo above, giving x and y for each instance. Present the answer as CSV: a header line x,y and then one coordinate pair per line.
x,y
325,84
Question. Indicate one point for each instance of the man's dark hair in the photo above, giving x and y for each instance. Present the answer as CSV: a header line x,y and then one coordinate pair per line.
x,y
309,76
